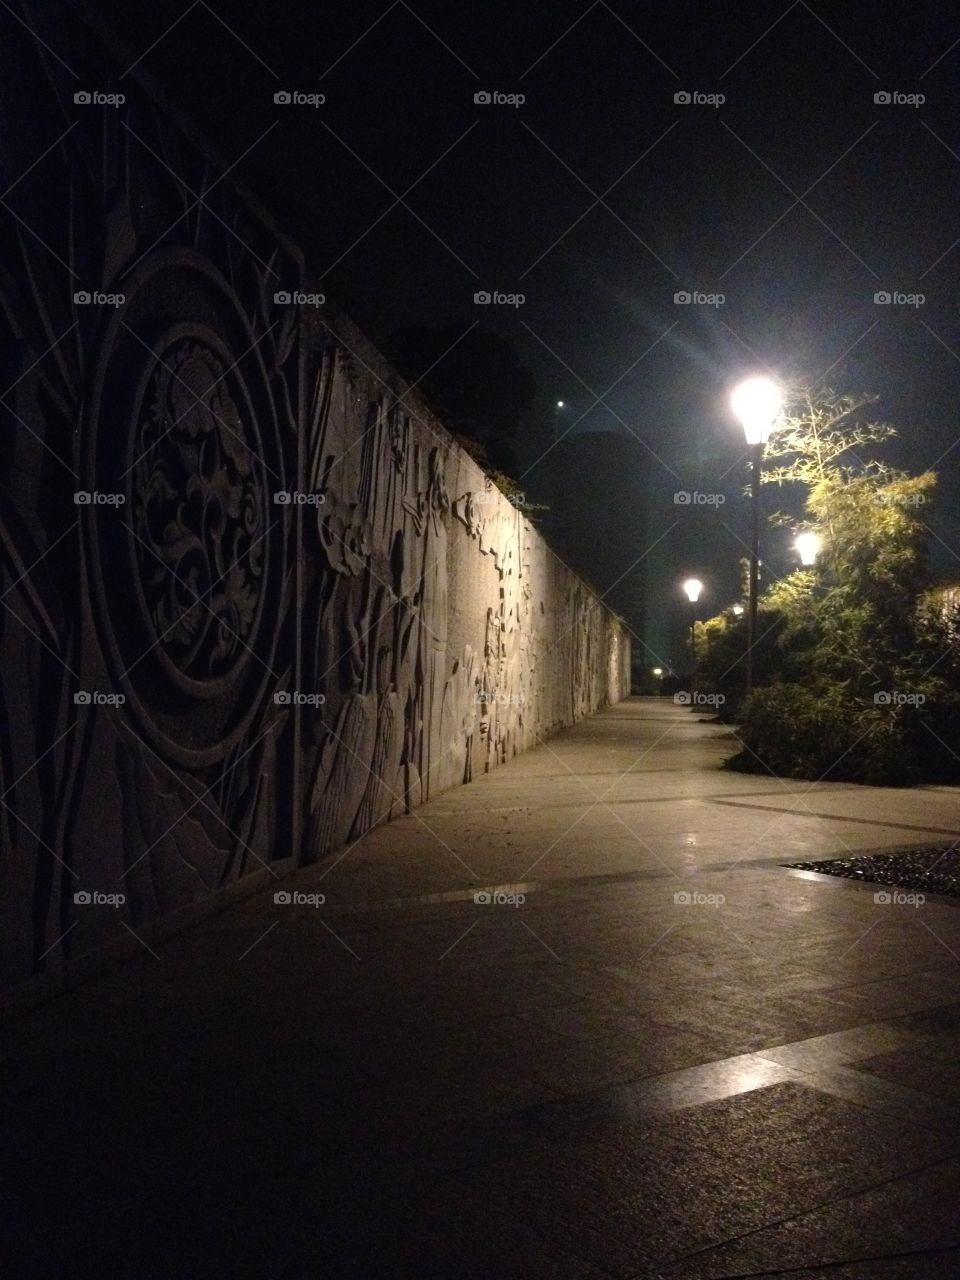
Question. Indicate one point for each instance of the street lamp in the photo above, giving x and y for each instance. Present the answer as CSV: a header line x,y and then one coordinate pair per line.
x,y
691,589
558,406
756,403
807,545
738,610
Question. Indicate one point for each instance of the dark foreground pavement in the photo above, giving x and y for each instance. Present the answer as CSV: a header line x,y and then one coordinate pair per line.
x,y
655,1053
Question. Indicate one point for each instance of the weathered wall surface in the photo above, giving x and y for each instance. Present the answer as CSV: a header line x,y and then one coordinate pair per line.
x,y
441,630
255,599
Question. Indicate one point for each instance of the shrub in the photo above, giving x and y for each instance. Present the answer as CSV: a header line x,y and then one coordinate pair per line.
x,y
825,732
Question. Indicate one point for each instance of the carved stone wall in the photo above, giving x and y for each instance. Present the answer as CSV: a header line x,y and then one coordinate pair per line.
x,y
254,598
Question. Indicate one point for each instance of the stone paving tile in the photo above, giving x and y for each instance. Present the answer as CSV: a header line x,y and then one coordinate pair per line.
x,y
783,1125
378,1091
618,1210
916,1071
588,1065
493,1037
654,1188
851,1046
454,1090
892,1099
914,1212
587,1021
742,1032
895,997
935,1265
942,1022
184,1223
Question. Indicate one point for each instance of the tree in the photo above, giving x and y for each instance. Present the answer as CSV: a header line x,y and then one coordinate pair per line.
x,y
860,604
817,429
856,674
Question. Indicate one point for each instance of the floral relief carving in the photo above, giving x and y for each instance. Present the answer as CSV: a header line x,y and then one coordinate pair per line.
x,y
197,513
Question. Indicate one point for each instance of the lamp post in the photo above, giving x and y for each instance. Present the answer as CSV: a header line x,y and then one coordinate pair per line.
x,y
756,403
691,589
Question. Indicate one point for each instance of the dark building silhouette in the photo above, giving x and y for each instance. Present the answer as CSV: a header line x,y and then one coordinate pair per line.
x,y
593,482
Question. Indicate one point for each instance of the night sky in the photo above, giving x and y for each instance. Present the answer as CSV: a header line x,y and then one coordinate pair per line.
x,y
599,198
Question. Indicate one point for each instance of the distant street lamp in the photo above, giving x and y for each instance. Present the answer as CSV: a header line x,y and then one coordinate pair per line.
x,y
692,588
556,420
738,610
757,404
807,545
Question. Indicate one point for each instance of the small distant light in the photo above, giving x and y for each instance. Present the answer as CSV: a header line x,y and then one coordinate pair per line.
x,y
658,671
738,609
559,404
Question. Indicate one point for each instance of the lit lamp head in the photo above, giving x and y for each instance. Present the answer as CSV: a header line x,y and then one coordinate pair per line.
x,y
658,671
807,545
737,610
692,588
757,403
559,404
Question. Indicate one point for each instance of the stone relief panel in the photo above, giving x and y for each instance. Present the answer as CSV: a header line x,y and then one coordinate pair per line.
x,y
150,401
254,599
442,633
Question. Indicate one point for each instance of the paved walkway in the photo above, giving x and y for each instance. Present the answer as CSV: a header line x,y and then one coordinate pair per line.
x,y
651,1052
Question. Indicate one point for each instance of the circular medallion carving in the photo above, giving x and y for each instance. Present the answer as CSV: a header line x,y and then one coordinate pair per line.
x,y
198,511
188,563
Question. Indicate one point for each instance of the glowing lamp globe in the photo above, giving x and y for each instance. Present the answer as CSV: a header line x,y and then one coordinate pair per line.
x,y
807,545
757,403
